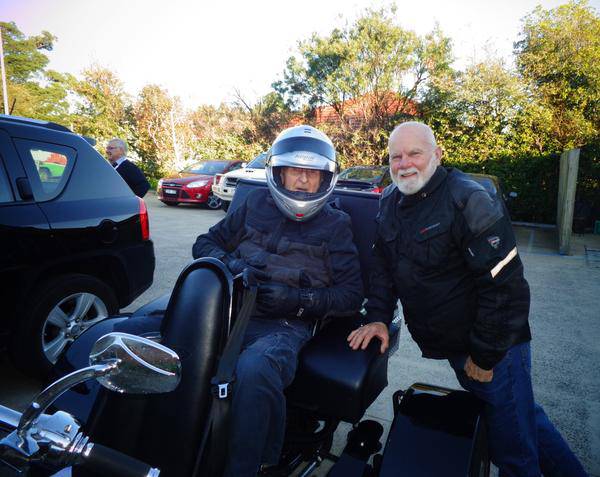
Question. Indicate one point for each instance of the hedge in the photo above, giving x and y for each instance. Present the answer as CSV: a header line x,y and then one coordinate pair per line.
x,y
535,180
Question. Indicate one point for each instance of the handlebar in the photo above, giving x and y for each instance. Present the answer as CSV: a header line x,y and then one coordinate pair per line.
x,y
107,461
120,362
54,446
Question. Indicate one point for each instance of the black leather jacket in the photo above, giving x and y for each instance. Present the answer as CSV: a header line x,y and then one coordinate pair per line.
x,y
318,253
449,254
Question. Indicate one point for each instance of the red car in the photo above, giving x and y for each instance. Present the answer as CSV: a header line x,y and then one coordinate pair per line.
x,y
194,184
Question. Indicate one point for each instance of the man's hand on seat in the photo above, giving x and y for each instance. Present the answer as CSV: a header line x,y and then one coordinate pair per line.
x,y
361,337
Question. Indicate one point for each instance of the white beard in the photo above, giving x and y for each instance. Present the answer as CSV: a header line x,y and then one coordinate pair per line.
x,y
416,182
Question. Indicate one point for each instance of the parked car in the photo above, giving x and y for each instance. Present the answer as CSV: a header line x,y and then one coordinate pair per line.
x,y
365,178
50,166
494,187
74,243
194,184
224,185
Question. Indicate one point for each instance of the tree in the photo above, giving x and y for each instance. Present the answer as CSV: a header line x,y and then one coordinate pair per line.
x,y
33,91
102,108
370,73
225,132
266,118
153,139
559,54
484,112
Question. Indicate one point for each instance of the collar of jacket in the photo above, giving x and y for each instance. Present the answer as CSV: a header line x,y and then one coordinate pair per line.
x,y
436,180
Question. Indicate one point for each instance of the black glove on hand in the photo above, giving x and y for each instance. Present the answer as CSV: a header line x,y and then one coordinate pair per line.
x,y
280,301
238,265
277,300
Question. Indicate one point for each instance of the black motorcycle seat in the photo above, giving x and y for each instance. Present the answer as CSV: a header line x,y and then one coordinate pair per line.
x,y
335,381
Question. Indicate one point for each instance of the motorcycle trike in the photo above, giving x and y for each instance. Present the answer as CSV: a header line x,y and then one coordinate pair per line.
x,y
435,431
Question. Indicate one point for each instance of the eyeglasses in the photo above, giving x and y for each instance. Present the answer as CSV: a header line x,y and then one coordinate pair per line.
x,y
298,171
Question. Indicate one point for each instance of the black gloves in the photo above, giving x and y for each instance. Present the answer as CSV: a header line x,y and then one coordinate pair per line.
x,y
277,300
239,265
280,301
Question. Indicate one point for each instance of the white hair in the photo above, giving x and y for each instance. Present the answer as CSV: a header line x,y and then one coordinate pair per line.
x,y
427,131
120,143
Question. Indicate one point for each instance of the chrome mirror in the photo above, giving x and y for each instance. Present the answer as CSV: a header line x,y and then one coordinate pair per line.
x,y
143,366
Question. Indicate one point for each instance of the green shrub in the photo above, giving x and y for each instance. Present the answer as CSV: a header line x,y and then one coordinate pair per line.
x,y
535,180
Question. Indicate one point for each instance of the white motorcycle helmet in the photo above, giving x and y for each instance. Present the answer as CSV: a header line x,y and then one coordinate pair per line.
x,y
304,147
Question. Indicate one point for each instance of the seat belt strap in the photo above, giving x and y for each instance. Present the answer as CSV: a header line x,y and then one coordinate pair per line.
x,y
214,442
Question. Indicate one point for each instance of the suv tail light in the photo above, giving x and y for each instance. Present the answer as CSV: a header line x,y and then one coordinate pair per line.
x,y
218,178
377,190
144,222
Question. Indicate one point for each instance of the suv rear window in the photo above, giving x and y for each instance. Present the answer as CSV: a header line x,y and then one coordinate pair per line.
x,y
47,165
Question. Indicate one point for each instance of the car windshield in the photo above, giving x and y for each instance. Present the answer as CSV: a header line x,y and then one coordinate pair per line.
x,y
366,174
210,168
258,162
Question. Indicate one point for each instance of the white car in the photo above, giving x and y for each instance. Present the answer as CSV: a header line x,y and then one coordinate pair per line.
x,y
224,185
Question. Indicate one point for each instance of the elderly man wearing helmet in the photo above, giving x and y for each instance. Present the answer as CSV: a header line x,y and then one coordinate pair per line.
x,y
299,246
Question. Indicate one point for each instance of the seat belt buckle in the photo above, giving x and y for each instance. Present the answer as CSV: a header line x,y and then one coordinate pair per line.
x,y
219,389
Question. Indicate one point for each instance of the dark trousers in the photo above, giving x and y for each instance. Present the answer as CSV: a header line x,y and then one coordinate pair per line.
x,y
266,366
523,441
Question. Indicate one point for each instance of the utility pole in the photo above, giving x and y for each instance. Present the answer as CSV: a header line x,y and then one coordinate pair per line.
x,y
175,145
4,92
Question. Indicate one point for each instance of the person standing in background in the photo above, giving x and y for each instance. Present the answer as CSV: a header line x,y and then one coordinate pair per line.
x,y
116,152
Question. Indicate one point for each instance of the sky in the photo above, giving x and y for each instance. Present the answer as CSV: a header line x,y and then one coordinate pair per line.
x,y
204,51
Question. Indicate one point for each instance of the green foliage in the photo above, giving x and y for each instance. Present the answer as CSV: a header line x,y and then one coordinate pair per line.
x,y
356,83
33,91
486,111
588,181
101,108
370,74
559,53
227,132
265,119
23,59
533,178
153,141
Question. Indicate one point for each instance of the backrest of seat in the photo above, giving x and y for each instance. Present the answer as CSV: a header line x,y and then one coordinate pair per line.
x,y
361,206
166,430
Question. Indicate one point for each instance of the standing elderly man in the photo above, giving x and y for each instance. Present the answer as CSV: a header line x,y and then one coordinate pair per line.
x,y
300,248
116,151
446,249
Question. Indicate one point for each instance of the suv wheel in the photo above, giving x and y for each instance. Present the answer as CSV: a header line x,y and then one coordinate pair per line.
x,y
213,202
60,311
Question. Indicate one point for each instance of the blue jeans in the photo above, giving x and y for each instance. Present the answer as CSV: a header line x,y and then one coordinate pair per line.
x,y
523,442
266,366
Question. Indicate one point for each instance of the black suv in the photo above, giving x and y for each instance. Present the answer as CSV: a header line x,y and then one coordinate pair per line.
x,y
74,240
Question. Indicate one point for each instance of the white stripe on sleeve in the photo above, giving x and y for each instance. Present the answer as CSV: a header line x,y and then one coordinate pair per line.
x,y
502,263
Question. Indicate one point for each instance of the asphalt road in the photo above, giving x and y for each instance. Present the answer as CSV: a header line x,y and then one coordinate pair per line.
x,y
565,321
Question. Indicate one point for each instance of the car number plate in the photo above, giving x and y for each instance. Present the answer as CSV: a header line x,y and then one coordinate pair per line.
x,y
170,191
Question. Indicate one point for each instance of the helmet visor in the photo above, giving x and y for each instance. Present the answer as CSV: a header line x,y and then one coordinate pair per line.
x,y
302,159
306,144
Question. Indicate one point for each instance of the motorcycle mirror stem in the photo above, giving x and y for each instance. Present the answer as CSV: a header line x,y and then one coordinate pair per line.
x,y
120,362
43,400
